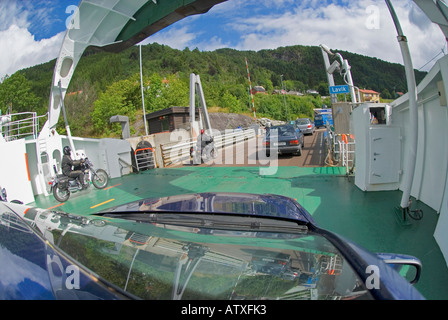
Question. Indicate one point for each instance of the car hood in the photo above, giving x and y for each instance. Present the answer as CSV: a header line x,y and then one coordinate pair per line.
x,y
262,205
58,242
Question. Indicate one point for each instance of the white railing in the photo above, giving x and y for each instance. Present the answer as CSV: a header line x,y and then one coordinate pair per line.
x,y
173,153
341,150
144,158
19,125
346,154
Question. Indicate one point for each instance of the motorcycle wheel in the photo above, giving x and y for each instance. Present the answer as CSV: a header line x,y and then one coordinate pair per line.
x,y
100,179
195,157
61,195
214,153
209,154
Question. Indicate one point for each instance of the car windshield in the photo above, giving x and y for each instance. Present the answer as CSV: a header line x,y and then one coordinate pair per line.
x,y
302,121
163,260
282,131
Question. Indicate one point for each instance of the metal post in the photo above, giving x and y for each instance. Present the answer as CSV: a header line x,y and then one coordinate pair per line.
x,y
67,127
192,102
203,104
330,78
413,112
250,87
284,98
143,96
130,269
345,66
350,80
196,86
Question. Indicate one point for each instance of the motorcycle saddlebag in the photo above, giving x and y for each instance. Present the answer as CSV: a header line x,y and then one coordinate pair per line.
x,y
63,182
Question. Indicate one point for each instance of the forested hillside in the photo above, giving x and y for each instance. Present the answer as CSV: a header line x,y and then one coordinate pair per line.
x,y
107,84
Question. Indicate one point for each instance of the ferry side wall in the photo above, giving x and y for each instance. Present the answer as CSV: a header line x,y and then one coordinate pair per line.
x,y
431,171
14,171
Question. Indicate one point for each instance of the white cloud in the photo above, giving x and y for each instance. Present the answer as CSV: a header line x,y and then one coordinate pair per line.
x,y
21,50
12,12
213,44
250,25
364,27
17,270
177,38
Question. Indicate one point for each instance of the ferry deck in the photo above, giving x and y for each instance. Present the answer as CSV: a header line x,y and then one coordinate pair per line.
x,y
330,196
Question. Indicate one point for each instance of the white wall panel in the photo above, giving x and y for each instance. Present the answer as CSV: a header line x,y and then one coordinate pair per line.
x,y
14,174
431,171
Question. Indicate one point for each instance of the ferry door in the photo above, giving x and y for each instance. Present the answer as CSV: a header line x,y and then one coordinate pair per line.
x,y
384,157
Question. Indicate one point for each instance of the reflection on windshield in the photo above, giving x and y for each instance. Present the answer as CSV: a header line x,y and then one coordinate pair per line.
x,y
159,261
261,205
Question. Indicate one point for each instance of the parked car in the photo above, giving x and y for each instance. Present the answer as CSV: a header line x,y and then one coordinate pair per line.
x,y
191,246
306,125
283,139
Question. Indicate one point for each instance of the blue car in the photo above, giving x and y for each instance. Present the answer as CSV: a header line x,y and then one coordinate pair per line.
x,y
283,139
212,246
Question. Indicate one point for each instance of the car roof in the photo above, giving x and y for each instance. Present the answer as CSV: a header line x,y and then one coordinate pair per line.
x,y
283,125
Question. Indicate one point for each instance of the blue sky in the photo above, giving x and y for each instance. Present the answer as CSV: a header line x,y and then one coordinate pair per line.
x,y
32,31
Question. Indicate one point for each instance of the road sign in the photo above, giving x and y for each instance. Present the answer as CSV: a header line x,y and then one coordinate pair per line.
x,y
339,89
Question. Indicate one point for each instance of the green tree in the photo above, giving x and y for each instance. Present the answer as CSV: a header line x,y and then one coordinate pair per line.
x,y
385,94
16,95
323,89
176,91
120,98
162,93
230,102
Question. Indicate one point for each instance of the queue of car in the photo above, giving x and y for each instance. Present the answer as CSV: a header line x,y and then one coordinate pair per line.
x,y
288,138
306,125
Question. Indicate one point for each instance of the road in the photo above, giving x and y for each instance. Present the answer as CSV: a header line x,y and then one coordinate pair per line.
x,y
313,153
245,154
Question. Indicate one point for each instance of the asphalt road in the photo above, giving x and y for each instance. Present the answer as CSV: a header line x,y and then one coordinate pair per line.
x,y
245,154
313,154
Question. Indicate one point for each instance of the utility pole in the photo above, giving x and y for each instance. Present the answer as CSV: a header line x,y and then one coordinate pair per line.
x,y
284,97
250,88
143,96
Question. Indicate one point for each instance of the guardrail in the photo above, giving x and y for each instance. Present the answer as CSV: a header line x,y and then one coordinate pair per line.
x,y
341,150
144,158
173,153
346,154
19,125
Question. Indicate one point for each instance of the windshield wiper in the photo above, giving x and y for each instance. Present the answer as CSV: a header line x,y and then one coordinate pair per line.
x,y
218,221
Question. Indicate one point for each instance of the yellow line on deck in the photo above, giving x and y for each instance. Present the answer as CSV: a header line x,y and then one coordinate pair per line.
x,y
100,204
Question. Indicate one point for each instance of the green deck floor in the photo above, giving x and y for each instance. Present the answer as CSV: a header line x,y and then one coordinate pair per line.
x,y
334,201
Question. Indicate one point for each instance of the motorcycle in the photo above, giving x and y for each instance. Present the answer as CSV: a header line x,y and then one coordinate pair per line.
x,y
4,196
62,186
203,151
